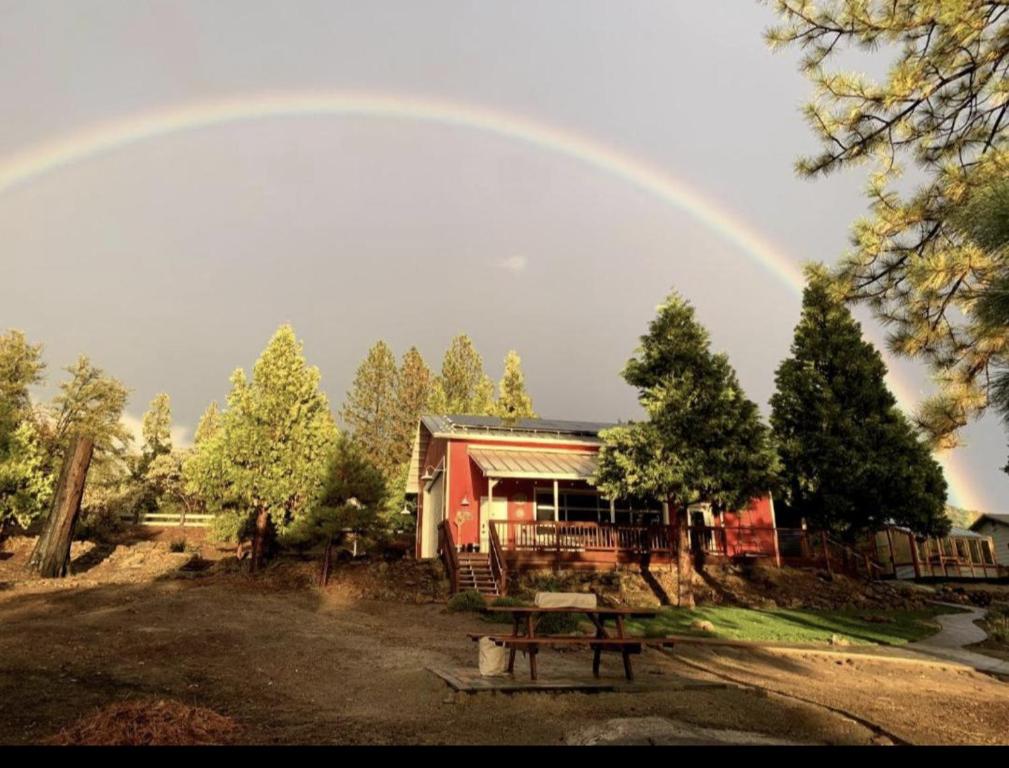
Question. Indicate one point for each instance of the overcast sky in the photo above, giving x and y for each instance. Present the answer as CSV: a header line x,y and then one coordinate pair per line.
x,y
171,261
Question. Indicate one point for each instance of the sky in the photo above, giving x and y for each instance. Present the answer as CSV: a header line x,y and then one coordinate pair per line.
x,y
171,258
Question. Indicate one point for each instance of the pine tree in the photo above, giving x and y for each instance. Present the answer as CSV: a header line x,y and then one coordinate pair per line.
x,y
370,410
90,403
25,485
269,456
353,499
413,395
157,427
208,424
21,367
513,401
851,461
464,387
942,106
703,441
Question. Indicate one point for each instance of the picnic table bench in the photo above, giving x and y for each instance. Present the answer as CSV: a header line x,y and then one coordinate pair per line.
x,y
524,637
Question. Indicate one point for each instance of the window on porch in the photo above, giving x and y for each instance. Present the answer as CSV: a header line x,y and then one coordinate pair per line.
x,y
591,507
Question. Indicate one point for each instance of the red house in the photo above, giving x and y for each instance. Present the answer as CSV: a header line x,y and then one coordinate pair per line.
x,y
494,496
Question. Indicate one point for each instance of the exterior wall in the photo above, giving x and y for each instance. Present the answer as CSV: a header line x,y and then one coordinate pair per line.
x,y
750,531
432,458
999,533
466,481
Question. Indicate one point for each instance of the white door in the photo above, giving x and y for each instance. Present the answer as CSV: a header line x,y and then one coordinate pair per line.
x,y
433,510
499,511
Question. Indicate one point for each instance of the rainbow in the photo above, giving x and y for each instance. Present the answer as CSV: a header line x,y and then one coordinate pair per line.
x,y
120,132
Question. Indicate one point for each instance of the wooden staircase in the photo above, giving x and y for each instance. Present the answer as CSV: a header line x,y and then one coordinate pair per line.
x,y
475,573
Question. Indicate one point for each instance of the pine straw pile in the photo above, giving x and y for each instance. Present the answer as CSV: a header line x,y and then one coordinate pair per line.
x,y
162,722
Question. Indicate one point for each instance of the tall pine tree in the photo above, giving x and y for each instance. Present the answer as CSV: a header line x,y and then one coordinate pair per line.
x,y
939,110
269,456
851,460
413,394
369,411
703,440
463,387
513,400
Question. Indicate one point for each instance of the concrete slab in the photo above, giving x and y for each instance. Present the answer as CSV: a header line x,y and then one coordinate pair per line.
x,y
470,680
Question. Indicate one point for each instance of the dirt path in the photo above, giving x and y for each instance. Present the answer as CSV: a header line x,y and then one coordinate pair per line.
x,y
301,666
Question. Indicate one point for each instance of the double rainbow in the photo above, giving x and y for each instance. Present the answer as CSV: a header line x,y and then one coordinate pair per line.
x,y
121,132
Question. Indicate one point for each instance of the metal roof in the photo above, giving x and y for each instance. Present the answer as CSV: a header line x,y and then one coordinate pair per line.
x,y
994,517
456,424
536,464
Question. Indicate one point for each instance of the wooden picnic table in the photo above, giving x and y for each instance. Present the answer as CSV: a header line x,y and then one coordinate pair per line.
x,y
526,618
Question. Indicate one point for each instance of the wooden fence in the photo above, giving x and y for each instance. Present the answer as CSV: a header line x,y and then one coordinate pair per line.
x,y
168,519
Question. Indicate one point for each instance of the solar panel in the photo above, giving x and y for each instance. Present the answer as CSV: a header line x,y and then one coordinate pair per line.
x,y
529,425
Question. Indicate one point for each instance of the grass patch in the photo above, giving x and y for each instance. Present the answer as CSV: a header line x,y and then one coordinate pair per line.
x,y
781,625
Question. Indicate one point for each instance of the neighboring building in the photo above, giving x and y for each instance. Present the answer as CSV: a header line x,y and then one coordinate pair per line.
x,y
997,528
519,495
961,554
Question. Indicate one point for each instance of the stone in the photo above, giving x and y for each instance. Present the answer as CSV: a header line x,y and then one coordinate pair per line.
x,y
702,625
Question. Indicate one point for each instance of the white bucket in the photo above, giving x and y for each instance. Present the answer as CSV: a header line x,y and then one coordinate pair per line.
x,y
493,658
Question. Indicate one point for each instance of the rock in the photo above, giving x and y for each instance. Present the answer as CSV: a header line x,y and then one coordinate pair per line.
x,y
702,625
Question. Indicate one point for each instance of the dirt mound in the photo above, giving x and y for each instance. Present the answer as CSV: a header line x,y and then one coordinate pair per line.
x,y
751,587
163,722
401,581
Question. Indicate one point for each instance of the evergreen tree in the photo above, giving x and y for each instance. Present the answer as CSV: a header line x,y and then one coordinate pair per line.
x,y
157,427
370,410
21,367
703,441
513,401
269,456
353,500
942,106
208,424
851,461
90,403
413,395
985,221
464,387
25,485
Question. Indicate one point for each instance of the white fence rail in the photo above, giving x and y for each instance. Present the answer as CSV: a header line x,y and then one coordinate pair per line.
x,y
168,519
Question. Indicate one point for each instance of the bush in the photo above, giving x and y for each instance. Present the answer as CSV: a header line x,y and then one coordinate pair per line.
x,y
177,545
503,618
558,624
469,601
98,525
228,527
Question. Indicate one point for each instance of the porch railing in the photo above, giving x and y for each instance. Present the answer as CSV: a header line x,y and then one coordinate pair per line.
x,y
449,553
498,564
548,535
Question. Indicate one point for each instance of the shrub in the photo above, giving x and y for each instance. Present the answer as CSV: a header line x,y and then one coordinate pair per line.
x,y
98,524
503,618
558,624
228,527
177,545
469,601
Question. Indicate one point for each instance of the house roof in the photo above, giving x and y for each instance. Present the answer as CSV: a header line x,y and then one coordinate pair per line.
x,y
954,532
492,426
535,464
992,517
451,426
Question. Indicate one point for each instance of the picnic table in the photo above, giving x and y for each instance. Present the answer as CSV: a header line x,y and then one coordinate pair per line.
x,y
525,620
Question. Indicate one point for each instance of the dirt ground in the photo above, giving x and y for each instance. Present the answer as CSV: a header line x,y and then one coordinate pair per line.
x,y
294,664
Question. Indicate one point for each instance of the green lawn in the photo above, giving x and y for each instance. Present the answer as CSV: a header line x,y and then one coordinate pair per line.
x,y
794,626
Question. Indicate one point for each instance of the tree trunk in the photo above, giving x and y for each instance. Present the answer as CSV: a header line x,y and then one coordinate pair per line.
x,y
684,567
259,538
51,556
326,560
